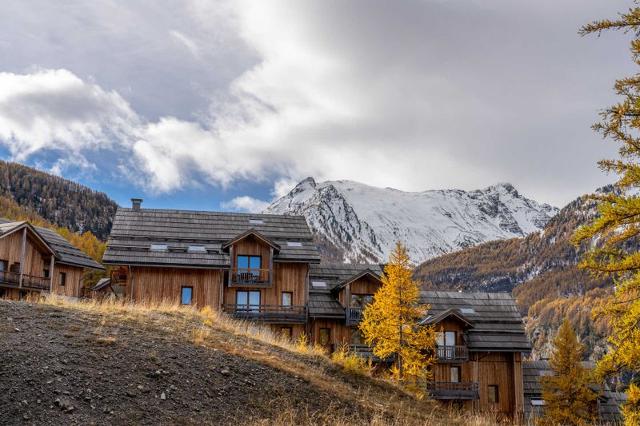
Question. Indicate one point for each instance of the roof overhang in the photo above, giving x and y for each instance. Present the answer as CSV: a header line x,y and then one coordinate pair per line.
x,y
34,232
366,273
251,233
449,313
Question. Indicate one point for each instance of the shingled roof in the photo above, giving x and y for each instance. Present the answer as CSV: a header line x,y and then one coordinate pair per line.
x,y
134,231
65,252
496,321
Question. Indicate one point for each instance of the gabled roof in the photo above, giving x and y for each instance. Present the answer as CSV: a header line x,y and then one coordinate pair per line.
x,y
134,231
248,233
453,312
8,228
497,324
366,273
337,274
64,251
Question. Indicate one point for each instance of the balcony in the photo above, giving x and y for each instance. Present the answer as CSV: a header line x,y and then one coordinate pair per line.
x,y
248,277
269,313
453,390
456,353
365,351
29,282
354,316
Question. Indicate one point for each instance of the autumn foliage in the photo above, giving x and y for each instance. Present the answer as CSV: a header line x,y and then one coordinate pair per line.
x,y
569,399
391,323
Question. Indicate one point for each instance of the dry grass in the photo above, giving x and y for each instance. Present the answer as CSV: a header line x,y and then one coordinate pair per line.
x,y
384,403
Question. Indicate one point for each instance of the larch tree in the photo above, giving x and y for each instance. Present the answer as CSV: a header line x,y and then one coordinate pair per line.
x,y
568,398
392,326
612,238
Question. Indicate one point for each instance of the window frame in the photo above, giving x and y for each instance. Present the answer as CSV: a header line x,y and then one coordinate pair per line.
x,y
458,371
63,278
327,333
249,307
282,297
495,395
182,289
249,257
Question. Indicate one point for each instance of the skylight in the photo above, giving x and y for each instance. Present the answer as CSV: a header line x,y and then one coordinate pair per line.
x,y
467,311
197,249
294,244
159,247
256,221
318,284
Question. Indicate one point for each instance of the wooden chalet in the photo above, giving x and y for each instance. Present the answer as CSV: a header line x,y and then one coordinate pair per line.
x,y
480,345
607,405
252,266
35,260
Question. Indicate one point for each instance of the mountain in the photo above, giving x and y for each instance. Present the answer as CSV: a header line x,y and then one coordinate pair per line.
x,y
541,271
357,222
60,201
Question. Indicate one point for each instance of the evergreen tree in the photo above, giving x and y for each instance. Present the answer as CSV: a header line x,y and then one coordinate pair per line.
x,y
391,323
617,228
568,398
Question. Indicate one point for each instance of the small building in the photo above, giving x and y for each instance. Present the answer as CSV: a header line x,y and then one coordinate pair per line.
x,y
608,402
36,260
480,346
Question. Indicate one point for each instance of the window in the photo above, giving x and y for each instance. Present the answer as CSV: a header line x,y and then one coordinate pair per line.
x,y
287,298
256,221
455,374
63,279
467,311
3,268
356,337
446,344
286,332
361,300
15,268
318,284
197,249
493,394
158,247
324,336
185,295
45,273
294,244
248,268
248,301
537,402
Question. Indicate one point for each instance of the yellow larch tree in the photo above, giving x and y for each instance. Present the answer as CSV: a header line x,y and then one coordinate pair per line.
x,y
613,237
392,326
569,399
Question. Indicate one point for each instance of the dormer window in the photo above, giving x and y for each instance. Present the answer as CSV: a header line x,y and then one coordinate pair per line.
x,y
159,247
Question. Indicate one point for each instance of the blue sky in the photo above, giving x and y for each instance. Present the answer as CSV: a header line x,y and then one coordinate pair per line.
x,y
227,104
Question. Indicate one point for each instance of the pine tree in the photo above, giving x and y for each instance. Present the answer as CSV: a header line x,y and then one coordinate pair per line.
x,y
617,229
568,398
391,323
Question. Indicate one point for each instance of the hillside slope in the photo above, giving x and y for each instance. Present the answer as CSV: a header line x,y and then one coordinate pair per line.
x,y
105,364
541,271
357,222
60,201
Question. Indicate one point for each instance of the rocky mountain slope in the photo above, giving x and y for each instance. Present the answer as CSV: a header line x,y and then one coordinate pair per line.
x,y
60,201
82,363
357,222
541,271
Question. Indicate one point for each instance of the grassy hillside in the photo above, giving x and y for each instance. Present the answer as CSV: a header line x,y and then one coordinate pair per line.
x,y
59,201
89,363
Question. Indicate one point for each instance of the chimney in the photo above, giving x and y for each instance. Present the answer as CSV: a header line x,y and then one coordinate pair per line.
x,y
135,204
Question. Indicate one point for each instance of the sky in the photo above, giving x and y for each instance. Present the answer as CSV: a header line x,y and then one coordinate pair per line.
x,y
225,105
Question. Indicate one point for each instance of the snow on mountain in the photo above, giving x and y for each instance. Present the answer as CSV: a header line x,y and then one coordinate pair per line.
x,y
356,222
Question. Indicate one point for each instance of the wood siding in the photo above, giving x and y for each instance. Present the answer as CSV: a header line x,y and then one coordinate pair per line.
x,y
339,334
11,252
252,246
156,285
73,281
363,285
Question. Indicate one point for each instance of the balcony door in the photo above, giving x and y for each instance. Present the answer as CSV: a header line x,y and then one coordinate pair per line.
x,y
446,342
248,301
249,268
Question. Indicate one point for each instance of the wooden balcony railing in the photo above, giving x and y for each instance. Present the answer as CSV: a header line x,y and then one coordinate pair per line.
x,y
354,315
453,390
29,282
452,353
251,277
268,313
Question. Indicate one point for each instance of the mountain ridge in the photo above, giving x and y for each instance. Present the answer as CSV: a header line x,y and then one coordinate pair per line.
x,y
361,223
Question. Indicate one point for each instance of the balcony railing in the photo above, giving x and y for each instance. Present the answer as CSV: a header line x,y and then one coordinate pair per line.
x,y
453,390
29,282
268,313
452,353
354,315
365,351
251,277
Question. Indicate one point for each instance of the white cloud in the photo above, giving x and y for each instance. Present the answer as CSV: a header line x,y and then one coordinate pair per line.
x,y
245,203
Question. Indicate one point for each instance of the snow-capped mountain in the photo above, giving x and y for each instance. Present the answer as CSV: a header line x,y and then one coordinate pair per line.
x,y
356,222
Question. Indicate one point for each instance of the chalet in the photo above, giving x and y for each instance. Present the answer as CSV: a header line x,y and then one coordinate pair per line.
x,y
337,296
252,266
607,405
35,260
480,344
